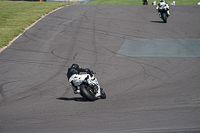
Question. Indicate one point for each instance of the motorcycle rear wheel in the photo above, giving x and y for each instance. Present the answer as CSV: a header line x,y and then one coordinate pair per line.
x,y
87,92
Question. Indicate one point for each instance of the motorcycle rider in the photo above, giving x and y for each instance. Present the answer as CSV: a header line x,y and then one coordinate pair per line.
x,y
74,78
145,1
163,4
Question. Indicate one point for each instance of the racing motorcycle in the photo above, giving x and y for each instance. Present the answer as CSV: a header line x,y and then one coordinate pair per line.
x,y
88,87
145,2
163,12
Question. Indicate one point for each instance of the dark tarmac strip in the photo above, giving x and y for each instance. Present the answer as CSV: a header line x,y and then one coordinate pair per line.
x,y
150,71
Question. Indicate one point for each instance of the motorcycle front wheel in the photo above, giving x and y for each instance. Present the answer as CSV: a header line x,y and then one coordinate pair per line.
x,y
103,94
164,17
86,91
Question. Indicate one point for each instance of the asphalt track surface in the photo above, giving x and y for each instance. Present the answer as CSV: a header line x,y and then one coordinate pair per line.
x,y
144,94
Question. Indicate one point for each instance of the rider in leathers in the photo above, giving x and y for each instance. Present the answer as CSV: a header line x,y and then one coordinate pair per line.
x,y
144,1
74,77
163,4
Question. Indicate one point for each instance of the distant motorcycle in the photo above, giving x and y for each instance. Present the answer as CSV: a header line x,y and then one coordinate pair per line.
x,y
87,90
145,2
164,15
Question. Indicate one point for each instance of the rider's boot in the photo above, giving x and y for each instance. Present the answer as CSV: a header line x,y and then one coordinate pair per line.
x,y
76,90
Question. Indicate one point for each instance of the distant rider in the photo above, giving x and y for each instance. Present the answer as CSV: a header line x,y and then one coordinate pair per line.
x,y
74,77
145,1
163,4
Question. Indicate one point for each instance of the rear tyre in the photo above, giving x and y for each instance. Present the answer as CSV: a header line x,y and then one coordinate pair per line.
x,y
87,92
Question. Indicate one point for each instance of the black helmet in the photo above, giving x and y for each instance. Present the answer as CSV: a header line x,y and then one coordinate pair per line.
x,y
75,66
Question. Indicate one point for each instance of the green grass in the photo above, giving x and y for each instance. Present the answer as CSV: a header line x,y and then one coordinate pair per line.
x,y
139,2
15,16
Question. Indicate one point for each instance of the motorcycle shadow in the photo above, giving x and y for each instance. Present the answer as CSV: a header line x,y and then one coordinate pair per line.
x,y
157,21
77,99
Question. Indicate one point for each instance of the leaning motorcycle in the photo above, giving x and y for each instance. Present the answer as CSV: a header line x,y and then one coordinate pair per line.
x,y
88,87
164,14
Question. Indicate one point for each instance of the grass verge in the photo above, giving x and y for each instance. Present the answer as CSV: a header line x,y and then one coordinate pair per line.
x,y
15,16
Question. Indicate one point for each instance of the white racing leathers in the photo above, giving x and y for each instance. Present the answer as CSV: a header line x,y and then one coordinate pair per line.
x,y
78,79
163,5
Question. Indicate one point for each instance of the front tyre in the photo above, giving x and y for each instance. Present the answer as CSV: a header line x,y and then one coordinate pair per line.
x,y
164,17
87,92
103,94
